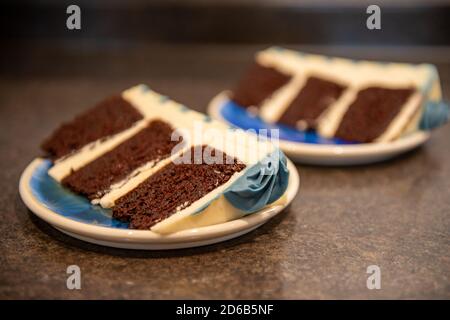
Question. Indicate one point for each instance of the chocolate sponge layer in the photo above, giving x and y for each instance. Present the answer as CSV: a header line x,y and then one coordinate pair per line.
x,y
108,117
313,99
151,144
257,84
176,186
371,112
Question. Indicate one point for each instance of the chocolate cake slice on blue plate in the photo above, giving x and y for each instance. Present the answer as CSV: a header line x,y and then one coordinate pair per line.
x,y
161,166
356,101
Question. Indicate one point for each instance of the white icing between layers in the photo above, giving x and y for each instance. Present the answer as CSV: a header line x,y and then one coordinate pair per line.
x,y
330,120
274,106
123,187
64,166
91,151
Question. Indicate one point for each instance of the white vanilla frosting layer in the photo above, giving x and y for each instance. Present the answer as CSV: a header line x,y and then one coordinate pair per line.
x,y
356,75
91,151
219,211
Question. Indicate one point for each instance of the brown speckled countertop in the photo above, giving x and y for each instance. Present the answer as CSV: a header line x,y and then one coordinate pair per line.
x,y
395,214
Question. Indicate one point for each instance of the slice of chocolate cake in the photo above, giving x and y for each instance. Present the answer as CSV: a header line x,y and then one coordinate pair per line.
x,y
358,101
170,168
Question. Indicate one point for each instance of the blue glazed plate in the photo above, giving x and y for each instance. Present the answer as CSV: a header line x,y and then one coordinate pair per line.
x,y
77,217
55,197
310,148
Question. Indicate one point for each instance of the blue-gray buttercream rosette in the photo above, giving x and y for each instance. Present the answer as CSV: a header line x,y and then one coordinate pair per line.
x,y
435,114
262,184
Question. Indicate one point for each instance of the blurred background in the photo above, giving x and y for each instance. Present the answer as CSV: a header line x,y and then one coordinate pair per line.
x,y
404,22
190,49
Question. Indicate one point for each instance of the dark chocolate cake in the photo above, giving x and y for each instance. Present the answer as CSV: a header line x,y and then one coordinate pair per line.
x,y
313,99
355,101
369,115
258,84
108,117
151,144
173,188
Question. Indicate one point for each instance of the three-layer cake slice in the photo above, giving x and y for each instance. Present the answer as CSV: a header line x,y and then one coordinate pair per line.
x,y
159,165
357,101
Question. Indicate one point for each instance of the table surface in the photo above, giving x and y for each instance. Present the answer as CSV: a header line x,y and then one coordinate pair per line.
x,y
394,214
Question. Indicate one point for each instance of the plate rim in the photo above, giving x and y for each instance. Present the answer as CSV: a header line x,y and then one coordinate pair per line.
x,y
132,236
337,151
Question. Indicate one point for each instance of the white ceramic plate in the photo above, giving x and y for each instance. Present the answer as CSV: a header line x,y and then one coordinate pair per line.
x,y
148,240
331,154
